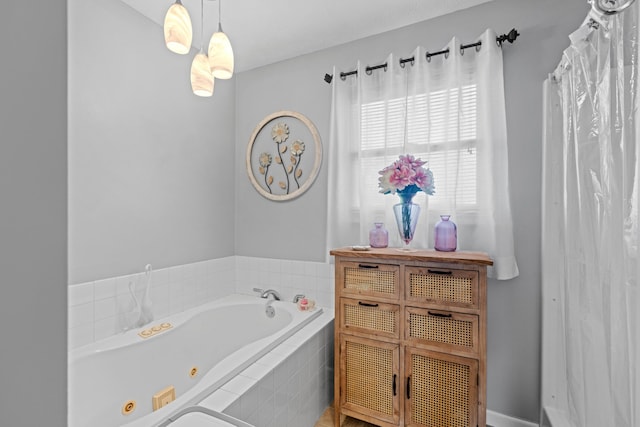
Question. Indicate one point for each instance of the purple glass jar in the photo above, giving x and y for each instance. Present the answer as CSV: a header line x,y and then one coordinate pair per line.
x,y
378,236
446,235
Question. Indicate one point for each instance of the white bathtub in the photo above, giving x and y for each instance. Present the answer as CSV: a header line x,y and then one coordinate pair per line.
x,y
220,339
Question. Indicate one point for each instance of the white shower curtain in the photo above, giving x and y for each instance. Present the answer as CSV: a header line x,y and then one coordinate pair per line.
x,y
590,236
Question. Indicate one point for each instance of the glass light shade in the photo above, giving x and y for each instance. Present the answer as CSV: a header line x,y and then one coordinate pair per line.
x,y
201,78
178,32
220,55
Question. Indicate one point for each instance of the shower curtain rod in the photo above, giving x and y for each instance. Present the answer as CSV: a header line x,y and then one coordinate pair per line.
x,y
599,7
509,37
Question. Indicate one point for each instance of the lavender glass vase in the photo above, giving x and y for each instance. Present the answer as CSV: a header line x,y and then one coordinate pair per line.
x,y
378,236
446,235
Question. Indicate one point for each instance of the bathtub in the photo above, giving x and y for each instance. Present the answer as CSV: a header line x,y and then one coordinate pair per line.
x,y
112,382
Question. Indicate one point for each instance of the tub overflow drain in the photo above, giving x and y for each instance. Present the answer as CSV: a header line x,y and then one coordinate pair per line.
x,y
129,407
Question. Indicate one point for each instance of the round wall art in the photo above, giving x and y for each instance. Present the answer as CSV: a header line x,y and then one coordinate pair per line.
x,y
284,155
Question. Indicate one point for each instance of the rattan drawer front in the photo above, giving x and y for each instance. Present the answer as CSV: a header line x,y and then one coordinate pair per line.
x,y
441,390
446,330
370,378
371,317
442,286
371,279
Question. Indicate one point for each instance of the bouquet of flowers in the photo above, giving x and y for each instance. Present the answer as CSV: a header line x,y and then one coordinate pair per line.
x,y
406,176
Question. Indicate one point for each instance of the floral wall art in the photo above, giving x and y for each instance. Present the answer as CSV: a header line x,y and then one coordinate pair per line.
x,y
284,155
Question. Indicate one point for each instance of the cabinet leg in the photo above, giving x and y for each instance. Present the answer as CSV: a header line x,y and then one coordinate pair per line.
x,y
338,418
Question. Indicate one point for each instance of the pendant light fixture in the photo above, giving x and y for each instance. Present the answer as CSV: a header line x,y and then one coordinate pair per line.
x,y
220,52
201,77
178,33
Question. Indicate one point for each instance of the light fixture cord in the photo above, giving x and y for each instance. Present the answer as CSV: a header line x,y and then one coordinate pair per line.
x,y
201,25
220,15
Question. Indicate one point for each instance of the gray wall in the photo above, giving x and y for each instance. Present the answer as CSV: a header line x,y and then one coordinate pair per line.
x,y
33,184
296,229
33,224
150,164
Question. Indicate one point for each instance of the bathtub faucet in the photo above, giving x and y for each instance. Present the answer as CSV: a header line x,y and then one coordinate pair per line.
x,y
265,294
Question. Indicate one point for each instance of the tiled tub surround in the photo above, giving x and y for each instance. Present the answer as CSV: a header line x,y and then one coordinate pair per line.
x,y
100,309
289,387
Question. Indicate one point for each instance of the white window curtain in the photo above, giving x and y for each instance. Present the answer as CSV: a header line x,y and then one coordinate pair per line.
x,y
448,110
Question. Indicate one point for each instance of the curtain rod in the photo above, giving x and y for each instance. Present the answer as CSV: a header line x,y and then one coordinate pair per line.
x,y
509,37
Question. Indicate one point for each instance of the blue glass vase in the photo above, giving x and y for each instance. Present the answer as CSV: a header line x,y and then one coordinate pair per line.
x,y
407,214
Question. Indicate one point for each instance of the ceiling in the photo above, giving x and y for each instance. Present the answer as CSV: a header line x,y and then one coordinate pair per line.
x,y
264,32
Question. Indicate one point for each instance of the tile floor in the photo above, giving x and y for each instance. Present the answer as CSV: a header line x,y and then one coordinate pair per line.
x,y
326,420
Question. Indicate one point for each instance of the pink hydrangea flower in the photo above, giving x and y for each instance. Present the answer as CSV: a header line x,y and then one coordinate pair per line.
x,y
406,175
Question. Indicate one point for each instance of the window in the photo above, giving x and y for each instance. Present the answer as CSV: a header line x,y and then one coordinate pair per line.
x,y
441,129
448,110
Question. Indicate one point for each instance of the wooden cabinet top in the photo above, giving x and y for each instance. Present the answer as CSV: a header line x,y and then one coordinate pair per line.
x,y
420,255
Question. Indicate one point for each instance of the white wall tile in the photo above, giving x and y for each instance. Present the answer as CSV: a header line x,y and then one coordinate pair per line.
x,y
176,297
189,270
239,384
104,328
107,304
266,389
219,400
105,308
104,288
125,284
80,315
201,269
263,264
175,274
310,269
160,295
81,294
297,267
80,335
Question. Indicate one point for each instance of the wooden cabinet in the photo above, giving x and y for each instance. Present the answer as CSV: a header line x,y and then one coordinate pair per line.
x,y
410,337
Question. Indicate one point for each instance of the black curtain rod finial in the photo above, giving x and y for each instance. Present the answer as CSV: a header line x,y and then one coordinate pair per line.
x,y
510,37
328,78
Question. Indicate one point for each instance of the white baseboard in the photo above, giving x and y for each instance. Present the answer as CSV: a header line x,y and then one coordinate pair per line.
x,y
497,419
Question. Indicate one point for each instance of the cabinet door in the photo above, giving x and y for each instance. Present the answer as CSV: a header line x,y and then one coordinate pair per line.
x,y
369,378
440,389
